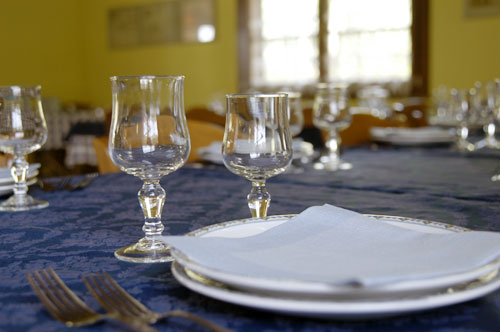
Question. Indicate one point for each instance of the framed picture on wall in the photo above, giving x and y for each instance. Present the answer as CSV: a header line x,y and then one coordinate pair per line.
x,y
169,21
475,8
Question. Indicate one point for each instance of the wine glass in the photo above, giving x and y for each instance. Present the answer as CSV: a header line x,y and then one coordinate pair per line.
x,y
460,105
295,113
149,139
22,131
486,104
302,151
257,143
331,113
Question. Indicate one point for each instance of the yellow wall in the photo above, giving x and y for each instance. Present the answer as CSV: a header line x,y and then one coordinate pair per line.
x,y
462,49
63,45
41,43
209,68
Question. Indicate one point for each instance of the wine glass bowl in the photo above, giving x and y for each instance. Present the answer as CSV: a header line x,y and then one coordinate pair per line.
x,y
486,104
460,103
331,113
23,130
295,113
257,142
149,139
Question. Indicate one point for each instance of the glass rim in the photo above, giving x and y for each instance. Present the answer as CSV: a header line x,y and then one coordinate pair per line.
x,y
332,85
256,95
23,87
133,77
292,94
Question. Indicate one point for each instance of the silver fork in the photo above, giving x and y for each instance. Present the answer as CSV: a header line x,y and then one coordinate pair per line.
x,y
115,299
54,186
65,183
64,305
83,183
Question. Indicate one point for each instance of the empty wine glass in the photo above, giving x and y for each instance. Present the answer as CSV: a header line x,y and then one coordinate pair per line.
x,y
295,113
331,113
149,139
486,103
460,104
22,131
257,143
302,151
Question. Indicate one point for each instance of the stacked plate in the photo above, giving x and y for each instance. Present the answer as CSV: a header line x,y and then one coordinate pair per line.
x,y
7,182
412,136
317,299
213,152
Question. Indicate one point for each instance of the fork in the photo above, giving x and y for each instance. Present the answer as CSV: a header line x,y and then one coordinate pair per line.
x,y
115,299
48,186
64,305
65,183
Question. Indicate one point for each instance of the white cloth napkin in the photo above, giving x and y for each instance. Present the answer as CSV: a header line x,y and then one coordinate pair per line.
x,y
336,246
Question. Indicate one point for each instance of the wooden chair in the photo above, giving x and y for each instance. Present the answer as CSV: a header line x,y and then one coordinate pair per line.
x,y
201,134
359,130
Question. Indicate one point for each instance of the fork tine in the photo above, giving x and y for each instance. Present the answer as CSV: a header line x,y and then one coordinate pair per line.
x,y
123,301
109,298
131,300
96,292
53,295
53,310
75,300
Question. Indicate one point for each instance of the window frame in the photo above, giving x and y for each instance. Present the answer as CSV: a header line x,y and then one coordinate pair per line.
x,y
419,35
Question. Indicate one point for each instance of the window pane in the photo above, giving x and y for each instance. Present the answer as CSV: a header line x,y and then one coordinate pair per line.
x,y
372,44
288,61
289,18
347,15
284,47
371,56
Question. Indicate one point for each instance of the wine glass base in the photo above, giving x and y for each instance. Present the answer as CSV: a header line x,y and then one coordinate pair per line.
x,y
22,203
464,147
488,143
137,253
332,167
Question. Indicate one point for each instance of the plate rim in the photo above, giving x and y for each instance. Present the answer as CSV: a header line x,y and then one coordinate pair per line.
x,y
435,224
337,309
318,288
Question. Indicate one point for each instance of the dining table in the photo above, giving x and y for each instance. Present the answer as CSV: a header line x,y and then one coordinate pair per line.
x,y
80,230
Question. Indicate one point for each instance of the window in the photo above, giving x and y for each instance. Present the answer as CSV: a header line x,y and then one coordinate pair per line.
x,y
297,43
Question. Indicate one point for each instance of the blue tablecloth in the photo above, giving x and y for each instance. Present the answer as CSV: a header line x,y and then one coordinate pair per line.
x,y
79,232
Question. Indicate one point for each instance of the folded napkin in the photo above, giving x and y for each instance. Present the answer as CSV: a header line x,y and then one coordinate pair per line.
x,y
331,245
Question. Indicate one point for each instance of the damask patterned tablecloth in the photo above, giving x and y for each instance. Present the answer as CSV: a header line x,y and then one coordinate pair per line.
x,y
79,232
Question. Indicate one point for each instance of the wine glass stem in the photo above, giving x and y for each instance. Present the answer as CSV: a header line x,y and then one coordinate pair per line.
x,y
258,199
152,199
19,171
490,129
333,144
463,134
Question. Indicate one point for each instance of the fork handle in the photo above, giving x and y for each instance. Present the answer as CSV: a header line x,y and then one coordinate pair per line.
x,y
134,324
195,318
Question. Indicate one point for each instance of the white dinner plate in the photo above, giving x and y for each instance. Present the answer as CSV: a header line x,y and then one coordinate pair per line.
x,y
332,308
7,189
6,177
412,136
213,152
254,226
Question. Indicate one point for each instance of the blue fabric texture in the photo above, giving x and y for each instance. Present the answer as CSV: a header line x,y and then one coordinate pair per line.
x,y
78,233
